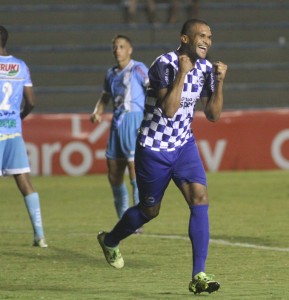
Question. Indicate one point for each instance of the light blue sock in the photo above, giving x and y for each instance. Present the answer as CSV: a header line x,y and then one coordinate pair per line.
x,y
33,206
135,194
121,199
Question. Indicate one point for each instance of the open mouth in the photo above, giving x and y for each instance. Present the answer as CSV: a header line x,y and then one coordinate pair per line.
x,y
203,49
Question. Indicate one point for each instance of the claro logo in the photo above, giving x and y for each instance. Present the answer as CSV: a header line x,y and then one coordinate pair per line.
x,y
276,149
85,150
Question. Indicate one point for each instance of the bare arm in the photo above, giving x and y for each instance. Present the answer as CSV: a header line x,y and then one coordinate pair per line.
x,y
99,107
29,101
169,99
213,106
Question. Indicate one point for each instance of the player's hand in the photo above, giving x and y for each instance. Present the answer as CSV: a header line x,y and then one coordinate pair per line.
x,y
185,64
220,70
95,118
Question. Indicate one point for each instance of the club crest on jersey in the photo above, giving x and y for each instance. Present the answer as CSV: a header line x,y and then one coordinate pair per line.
x,y
9,69
202,80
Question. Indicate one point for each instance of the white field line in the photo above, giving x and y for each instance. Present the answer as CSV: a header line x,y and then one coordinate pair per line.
x,y
221,242
174,237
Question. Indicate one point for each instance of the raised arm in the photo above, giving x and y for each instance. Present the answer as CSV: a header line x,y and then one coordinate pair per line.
x,y
99,107
213,106
169,98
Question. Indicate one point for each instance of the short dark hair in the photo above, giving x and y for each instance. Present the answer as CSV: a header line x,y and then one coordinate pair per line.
x,y
190,23
122,36
3,36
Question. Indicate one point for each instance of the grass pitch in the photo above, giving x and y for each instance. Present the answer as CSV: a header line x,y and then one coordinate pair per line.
x,y
249,250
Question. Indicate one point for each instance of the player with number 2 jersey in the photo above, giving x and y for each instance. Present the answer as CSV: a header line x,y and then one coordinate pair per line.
x,y
16,86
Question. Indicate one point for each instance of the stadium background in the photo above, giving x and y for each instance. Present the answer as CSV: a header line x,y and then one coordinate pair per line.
x,y
67,45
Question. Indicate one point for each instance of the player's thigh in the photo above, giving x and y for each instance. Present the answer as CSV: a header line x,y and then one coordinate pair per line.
x,y
116,169
188,166
153,175
189,174
131,170
113,149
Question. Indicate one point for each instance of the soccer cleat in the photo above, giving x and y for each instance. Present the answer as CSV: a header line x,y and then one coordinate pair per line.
x,y
203,283
112,254
40,243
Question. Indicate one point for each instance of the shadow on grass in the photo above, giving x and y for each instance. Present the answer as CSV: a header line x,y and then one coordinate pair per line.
x,y
54,253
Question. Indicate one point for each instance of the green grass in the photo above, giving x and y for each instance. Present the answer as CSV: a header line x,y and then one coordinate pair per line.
x,y
248,210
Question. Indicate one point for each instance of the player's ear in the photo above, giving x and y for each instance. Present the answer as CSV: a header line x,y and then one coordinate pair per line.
x,y
130,51
184,38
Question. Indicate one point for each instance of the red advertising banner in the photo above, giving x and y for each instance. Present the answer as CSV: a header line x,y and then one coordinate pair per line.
x,y
241,140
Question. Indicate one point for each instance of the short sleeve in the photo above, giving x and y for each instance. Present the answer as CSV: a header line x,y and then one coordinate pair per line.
x,y
27,76
161,75
208,87
141,73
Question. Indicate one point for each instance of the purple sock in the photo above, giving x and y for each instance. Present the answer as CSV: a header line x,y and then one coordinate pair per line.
x,y
132,219
199,234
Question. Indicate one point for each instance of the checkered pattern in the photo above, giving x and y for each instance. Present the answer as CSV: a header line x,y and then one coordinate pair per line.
x,y
159,132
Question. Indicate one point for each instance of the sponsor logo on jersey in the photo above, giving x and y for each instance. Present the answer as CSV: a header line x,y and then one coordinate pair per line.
x,y
186,102
9,69
8,123
167,73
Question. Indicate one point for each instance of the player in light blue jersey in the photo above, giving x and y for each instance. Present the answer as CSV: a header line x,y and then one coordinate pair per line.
x,y
166,148
125,84
16,85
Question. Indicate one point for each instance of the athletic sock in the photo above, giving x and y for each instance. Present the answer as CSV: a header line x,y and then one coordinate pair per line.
x,y
135,192
132,219
199,234
33,206
121,199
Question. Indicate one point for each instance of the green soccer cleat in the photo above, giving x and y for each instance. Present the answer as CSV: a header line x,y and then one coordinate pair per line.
x,y
40,243
112,254
203,283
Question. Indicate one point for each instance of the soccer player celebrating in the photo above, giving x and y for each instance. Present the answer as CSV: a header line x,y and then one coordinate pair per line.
x,y
16,85
125,84
178,80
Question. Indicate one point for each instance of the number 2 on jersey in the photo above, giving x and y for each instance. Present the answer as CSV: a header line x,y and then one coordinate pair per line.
x,y
7,90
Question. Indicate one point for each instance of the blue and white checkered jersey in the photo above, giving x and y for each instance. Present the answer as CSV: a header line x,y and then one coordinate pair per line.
x,y
127,88
159,132
14,75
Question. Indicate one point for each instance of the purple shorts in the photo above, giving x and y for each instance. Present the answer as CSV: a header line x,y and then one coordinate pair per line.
x,y
155,169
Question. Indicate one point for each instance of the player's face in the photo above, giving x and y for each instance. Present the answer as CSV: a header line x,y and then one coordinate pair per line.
x,y
122,51
199,41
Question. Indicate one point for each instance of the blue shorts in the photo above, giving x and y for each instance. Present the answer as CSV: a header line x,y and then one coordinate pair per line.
x,y
122,140
13,155
155,169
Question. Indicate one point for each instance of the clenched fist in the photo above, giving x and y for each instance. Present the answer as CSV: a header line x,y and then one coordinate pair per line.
x,y
220,70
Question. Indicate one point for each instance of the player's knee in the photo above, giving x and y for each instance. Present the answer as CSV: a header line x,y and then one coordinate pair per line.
x,y
153,214
150,212
201,198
